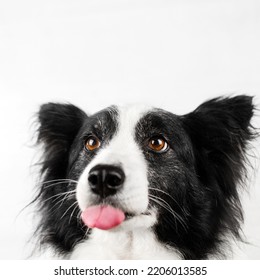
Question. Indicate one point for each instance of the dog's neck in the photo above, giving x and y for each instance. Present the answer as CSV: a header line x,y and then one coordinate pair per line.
x,y
139,243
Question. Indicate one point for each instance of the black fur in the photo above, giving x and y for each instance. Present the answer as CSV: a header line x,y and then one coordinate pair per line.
x,y
62,130
59,125
201,172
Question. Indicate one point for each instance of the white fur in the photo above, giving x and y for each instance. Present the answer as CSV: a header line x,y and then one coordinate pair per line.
x,y
123,151
134,238
136,244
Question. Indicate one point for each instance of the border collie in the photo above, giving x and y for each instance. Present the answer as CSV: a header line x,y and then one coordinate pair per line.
x,y
142,183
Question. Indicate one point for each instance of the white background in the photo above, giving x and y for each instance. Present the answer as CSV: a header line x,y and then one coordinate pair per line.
x,y
171,54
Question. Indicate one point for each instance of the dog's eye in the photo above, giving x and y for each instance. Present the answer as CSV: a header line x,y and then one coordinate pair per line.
x,y
92,143
158,144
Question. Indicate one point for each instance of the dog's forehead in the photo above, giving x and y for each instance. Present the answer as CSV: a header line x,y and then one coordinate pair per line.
x,y
130,115
126,116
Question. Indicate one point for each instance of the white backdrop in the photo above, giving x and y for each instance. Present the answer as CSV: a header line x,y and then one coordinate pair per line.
x,y
170,54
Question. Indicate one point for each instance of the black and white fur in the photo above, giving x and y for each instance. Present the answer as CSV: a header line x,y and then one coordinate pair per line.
x,y
181,203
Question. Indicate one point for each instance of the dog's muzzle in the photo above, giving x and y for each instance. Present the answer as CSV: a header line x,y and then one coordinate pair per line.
x,y
106,180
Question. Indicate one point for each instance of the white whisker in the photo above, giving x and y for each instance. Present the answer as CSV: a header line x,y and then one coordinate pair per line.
x,y
75,208
87,232
159,190
62,200
167,207
57,182
72,205
58,195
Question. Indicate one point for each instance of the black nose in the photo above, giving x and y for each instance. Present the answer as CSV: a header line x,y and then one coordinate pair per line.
x,y
106,180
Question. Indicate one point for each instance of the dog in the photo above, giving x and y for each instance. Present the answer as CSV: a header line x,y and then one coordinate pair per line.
x,y
138,182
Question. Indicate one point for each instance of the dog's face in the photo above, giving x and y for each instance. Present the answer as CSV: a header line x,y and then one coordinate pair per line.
x,y
139,152
174,174
112,149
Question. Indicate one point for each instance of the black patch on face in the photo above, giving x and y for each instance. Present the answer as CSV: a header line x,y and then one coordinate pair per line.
x,y
194,184
63,131
171,174
165,124
102,125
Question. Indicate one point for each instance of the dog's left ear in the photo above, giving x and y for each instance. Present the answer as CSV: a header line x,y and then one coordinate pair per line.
x,y
220,131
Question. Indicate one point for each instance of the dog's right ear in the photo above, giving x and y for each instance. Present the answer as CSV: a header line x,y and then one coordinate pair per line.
x,y
58,127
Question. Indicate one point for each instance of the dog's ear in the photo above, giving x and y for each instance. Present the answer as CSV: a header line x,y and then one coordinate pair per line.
x,y
58,127
220,131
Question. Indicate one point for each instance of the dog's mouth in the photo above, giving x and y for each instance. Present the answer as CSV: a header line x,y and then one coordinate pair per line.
x,y
105,217
129,216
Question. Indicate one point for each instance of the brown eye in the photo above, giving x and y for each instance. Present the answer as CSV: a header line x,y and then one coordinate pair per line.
x,y
92,143
158,144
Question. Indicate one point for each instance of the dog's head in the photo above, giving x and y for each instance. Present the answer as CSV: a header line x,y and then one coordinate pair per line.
x,y
177,175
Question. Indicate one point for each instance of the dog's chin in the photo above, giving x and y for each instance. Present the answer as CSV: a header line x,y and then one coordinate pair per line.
x,y
136,221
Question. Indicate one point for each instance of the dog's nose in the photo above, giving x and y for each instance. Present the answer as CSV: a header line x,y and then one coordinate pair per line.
x,y
106,180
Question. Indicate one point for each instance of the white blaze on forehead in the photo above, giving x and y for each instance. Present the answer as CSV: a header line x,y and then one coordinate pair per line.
x,y
129,116
128,119
123,151
123,142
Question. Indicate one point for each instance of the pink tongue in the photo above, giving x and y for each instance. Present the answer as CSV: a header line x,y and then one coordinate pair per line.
x,y
102,217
